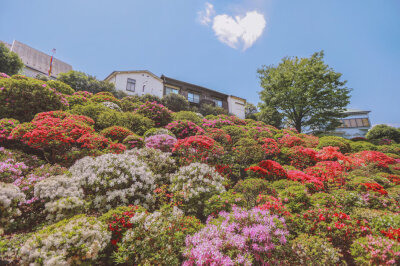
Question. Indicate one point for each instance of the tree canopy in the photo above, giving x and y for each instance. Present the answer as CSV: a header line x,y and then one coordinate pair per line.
x,y
306,92
81,81
10,63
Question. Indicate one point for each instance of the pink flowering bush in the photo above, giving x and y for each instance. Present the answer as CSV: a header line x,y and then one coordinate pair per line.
x,y
6,126
156,112
161,142
184,128
216,123
242,237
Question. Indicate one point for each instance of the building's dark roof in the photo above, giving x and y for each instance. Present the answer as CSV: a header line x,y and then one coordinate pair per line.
x,y
166,79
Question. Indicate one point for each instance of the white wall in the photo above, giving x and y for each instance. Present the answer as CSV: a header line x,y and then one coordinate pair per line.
x,y
236,106
152,85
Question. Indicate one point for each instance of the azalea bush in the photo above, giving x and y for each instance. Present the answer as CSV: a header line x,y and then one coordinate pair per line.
x,y
244,237
6,126
162,142
184,128
156,112
116,133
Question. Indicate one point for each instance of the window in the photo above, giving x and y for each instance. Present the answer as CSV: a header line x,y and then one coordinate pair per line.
x,y
193,98
218,102
355,122
130,85
169,90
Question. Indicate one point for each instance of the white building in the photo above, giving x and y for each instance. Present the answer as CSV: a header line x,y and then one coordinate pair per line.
x,y
236,106
355,124
138,82
37,62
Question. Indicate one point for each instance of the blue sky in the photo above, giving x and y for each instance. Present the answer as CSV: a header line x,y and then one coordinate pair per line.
x,y
221,49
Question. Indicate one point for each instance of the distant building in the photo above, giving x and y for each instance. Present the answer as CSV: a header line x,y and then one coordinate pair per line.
x,y
137,82
142,82
37,62
355,124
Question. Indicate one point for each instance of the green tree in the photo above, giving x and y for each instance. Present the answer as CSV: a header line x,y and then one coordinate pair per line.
x,y
384,132
307,92
250,111
270,116
80,81
10,63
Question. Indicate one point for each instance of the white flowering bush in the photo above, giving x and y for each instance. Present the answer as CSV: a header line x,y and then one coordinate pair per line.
x,y
160,163
115,179
56,187
64,208
10,195
69,242
194,184
156,238
112,106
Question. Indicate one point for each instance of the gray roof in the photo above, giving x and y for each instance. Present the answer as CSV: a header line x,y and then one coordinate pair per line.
x,y
355,111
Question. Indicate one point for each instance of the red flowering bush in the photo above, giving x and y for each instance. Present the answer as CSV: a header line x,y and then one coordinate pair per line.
x,y
310,141
328,172
6,126
156,112
375,157
290,141
270,147
272,204
301,157
116,148
116,133
219,135
268,169
374,187
198,149
184,128
93,141
392,233
312,182
53,132
338,227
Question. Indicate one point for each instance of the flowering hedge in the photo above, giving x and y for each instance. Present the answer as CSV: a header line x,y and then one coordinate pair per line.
x,y
156,112
162,142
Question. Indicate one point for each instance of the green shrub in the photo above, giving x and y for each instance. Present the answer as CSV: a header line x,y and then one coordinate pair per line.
x,y
247,151
224,202
130,103
92,110
137,123
293,194
379,132
60,87
156,238
156,112
175,102
357,146
133,141
342,143
236,132
150,98
188,115
314,250
102,97
385,221
208,109
251,188
157,131
22,99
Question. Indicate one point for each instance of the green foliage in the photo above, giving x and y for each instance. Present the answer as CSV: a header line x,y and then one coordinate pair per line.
x,y
92,110
357,146
139,124
251,188
342,143
80,81
187,115
224,202
175,102
247,151
157,131
208,109
250,111
100,98
313,250
307,92
22,99
270,116
385,221
293,194
379,132
236,132
60,87
150,98
133,141
130,103
10,63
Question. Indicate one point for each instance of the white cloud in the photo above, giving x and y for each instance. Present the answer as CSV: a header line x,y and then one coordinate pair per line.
x,y
205,16
237,32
